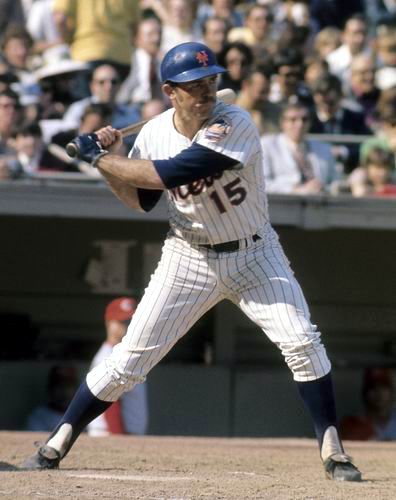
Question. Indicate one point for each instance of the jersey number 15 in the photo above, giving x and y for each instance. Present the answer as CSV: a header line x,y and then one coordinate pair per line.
x,y
235,193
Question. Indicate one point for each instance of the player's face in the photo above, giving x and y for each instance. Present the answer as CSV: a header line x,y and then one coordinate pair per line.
x,y
195,99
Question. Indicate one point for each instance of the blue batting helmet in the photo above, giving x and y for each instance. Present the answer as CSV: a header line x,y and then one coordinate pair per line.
x,y
188,62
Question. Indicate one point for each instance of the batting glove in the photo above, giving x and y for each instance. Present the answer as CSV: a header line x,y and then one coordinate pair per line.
x,y
89,148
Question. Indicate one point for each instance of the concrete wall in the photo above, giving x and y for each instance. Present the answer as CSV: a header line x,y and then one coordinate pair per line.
x,y
191,399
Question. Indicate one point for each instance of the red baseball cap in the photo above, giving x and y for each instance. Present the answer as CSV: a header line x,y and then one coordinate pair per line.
x,y
378,376
121,309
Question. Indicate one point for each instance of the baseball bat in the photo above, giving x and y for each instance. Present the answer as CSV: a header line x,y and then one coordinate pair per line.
x,y
226,95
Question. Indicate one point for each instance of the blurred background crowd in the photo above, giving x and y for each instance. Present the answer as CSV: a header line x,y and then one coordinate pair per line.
x,y
317,76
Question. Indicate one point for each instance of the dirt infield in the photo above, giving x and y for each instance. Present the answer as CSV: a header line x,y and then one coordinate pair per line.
x,y
184,468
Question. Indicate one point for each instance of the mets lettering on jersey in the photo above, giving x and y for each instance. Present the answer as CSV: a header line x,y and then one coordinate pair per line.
x,y
195,188
215,209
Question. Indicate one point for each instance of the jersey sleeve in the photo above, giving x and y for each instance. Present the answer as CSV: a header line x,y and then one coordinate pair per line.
x,y
138,150
192,164
231,133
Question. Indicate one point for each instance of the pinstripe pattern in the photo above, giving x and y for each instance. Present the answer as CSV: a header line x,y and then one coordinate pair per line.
x,y
188,282
197,218
189,279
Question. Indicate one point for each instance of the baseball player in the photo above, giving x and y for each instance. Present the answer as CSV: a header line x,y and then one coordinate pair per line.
x,y
206,157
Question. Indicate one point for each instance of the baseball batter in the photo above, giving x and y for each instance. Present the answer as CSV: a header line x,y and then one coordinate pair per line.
x,y
206,157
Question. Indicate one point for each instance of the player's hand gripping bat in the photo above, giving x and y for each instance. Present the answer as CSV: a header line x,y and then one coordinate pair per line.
x,y
225,95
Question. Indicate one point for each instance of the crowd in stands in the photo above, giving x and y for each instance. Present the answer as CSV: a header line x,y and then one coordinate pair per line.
x,y
318,78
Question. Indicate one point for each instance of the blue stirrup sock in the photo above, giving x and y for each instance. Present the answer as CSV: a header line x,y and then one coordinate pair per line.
x,y
83,408
318,397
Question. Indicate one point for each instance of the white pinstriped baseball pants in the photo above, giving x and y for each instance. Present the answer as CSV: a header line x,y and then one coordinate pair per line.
x,y
188,282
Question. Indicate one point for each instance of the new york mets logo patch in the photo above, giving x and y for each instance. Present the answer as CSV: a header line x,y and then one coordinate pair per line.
x,y
202,57
219,129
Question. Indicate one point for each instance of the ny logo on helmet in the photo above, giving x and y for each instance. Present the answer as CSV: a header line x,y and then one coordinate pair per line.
x,y
202,57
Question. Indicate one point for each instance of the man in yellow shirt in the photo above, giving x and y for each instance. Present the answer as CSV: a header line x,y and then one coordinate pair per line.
x,y
98,31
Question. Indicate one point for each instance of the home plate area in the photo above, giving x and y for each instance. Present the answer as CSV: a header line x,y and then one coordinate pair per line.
x,y
187,468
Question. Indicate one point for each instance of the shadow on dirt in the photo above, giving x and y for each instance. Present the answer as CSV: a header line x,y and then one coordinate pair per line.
x,y
5,466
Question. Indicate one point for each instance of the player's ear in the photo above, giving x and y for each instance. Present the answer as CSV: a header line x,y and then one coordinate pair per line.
x,y
169,90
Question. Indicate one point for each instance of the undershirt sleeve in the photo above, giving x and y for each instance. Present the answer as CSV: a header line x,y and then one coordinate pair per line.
x,y
148,198
192,164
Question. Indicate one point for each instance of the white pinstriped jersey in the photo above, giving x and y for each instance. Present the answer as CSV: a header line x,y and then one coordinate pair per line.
x,y
189,280
228,206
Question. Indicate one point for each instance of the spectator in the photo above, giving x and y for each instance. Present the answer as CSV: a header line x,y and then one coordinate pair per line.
x,y
142,83
214,33
385,46
16,56
10,117
362,93
287,84
315,68
237,58
225,9
128,415
379,12
326,41
95,116
332,117
385,135
294,36
4,170
254,98
293,164
6,79
256,31
377,175
333,12
31,155
149,110
152,108
59,89
62,382
104,86
98,31
294,11
177,18
354,41
378,423
11,12
47,42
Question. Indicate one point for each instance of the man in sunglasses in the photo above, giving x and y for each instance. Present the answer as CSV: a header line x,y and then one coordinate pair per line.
x,y
104,86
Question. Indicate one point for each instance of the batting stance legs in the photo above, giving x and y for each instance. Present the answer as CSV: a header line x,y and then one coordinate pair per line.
x,y
187,283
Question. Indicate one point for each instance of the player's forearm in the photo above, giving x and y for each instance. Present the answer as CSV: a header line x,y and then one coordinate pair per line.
x,y
124,192
138,173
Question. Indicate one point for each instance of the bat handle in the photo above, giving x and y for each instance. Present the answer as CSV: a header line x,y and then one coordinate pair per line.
x,y
72,149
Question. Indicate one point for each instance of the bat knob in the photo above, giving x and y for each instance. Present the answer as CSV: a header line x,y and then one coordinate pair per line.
x,y
72,149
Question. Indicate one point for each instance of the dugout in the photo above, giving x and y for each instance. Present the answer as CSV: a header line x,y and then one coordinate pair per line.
x,y
68,247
